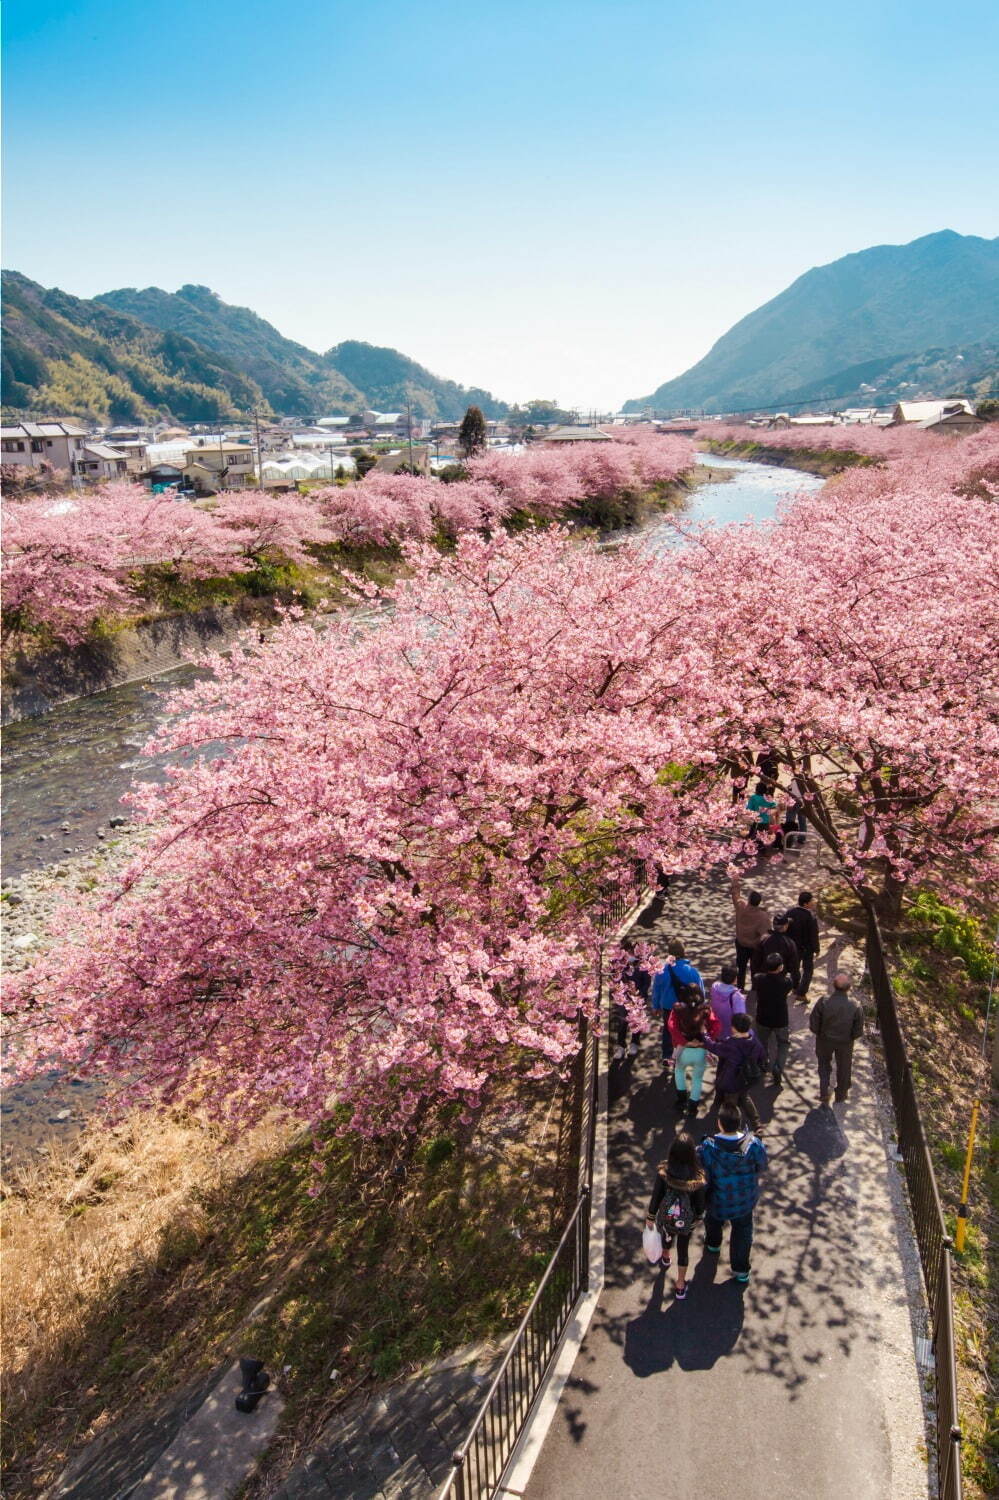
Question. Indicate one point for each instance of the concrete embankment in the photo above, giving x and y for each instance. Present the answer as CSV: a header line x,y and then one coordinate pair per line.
x,y
34,684
822,461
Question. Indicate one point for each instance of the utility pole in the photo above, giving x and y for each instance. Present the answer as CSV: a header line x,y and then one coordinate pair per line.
x,y
409,427
260,451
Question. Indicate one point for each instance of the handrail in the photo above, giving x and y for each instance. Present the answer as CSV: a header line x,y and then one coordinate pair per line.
x,y
932,1239
462,1452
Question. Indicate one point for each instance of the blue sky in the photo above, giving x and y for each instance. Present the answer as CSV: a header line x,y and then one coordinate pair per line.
x,y
547,199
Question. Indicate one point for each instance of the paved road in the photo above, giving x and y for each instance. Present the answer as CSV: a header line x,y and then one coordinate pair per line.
x,y
803,1384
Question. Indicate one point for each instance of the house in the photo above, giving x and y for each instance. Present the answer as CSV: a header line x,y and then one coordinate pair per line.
x,y
576,435
163,474
99,462
35,443
930,413
218,466
133,451
336,422
859,414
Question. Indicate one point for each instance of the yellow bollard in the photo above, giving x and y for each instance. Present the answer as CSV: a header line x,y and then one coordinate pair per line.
x,y
962,1212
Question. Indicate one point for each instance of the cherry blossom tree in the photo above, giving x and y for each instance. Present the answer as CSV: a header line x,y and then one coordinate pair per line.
x,y
374,874
383,890
68,561
855,644
267,525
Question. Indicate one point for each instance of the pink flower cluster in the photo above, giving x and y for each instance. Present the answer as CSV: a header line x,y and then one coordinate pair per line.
x,y
882,443
70,561
382,892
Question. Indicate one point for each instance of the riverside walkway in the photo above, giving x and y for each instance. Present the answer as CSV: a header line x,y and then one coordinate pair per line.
x,y
804,1383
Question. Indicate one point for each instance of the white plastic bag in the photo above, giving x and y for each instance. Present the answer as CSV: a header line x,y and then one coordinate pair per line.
x,y
652,1244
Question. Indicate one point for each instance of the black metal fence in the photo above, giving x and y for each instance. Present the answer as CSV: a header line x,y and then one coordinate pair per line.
x,y
482,1457
480,1460
931,1228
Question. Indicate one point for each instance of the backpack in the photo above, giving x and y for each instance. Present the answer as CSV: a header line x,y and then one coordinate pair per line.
x,y
691,1014
749,1073
676,1214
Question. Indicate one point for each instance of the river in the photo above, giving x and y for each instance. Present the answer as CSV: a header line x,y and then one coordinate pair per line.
x,y
64,774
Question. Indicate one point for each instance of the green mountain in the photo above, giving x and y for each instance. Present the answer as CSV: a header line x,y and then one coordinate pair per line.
x,y
295,380
67,356
878,311
190,357
387,377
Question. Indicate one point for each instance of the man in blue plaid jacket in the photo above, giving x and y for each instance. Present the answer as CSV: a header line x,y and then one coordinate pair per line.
x,y
732,1161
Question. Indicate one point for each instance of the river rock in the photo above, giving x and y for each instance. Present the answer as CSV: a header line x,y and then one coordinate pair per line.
x,y
117,822
26,940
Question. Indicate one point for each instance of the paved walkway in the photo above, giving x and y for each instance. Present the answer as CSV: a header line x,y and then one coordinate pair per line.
x,y
803,1384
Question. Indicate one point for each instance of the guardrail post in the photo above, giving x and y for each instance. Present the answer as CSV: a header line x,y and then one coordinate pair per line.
x,y
583,1241
458,1459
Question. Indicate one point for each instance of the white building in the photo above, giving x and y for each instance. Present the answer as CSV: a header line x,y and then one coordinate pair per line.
x,y
288,468
60,444
99,462
931,412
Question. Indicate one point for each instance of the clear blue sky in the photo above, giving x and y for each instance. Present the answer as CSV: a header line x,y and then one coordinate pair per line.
x,y
544,198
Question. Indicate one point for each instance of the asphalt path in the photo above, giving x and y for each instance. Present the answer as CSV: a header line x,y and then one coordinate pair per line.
x,y
804,1383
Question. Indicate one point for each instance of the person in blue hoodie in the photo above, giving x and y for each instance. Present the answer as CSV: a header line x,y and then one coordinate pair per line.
x,y
677,970
732,1161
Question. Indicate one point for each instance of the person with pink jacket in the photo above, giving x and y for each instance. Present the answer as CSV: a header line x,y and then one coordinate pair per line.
x,y
690,1021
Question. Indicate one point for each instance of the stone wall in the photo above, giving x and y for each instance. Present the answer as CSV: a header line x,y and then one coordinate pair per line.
x,y
33,685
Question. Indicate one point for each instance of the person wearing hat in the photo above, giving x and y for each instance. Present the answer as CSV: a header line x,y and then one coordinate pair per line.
x,y
778,941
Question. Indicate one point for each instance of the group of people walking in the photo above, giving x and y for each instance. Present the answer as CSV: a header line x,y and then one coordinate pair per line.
x,y
718,1178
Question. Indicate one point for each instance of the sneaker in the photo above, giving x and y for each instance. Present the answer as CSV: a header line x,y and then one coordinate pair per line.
x,y
680,1292
633,1050
665,1262
618,1053
713,1249
742,1276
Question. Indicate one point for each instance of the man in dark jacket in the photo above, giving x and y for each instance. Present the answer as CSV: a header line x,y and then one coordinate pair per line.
x,y
837,1021
738,1055
778,941
804,929
732,1161
772,989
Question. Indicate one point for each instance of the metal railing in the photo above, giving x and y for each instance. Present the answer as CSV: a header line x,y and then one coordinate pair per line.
x,y
480,1460
510,1399
931,1229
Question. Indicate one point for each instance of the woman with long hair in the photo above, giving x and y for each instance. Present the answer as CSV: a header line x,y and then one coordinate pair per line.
x,y
677,1203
